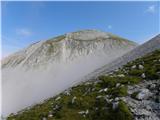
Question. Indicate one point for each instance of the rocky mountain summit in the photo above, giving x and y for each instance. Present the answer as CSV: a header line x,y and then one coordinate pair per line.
x,y
69,47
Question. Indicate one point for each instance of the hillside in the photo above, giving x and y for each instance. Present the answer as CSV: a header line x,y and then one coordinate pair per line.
x,y
141,50
131,92
48,67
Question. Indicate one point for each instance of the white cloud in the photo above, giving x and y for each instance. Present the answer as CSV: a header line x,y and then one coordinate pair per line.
x,y
151,9
23,32
109,26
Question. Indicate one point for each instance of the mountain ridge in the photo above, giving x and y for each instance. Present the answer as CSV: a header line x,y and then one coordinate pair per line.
x,y
79,40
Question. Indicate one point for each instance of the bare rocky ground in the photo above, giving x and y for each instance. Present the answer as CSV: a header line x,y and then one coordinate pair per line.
x,y
146,105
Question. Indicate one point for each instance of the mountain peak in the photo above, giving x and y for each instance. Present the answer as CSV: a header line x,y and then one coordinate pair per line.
x,y
69,47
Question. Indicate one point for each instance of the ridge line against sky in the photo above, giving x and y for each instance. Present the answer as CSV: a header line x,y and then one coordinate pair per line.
x,y
24,23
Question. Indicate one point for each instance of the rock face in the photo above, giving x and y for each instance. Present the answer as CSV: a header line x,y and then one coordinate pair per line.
x,y
46,68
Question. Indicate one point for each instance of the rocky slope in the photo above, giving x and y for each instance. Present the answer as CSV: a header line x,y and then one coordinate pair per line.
x,y
46,68
139,51
131,92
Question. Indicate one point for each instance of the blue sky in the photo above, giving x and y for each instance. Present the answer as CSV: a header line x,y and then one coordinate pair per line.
x,y
24,23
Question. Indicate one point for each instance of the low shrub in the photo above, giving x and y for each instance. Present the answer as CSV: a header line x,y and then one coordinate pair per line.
x,y
108,81
118,92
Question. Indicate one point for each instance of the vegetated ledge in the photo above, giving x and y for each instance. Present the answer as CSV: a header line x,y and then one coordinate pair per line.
x,y
114,96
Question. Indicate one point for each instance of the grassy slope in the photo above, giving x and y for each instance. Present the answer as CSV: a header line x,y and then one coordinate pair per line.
x,y
89,97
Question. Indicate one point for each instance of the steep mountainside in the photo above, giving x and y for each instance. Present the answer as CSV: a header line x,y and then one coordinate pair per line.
x,y
46,68
139,51
129,93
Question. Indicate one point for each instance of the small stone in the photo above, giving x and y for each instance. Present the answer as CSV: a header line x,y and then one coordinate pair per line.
x,y
93,89
84,112
67,93
133,67
105,90
116,99
81,112
98,97
122,85
110,100
87,111
118,84
158,72
50,115
121,75
88,83
44,118
111,73
143,75
56,107
141,67
57,98
73,99
100,91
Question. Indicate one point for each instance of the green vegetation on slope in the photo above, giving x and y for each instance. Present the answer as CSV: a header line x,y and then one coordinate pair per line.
x,y
98,99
